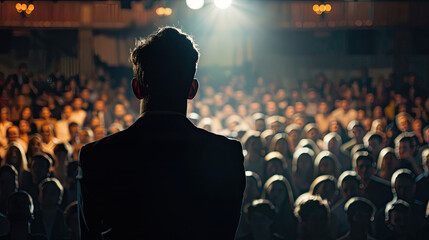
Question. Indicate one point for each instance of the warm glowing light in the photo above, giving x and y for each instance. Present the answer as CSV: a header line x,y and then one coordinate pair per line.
x,y
28,11
322,8
160,11
319,12
195,4
328,7
222,4
31,7
168,11
23,6
18,6
316,7
19,10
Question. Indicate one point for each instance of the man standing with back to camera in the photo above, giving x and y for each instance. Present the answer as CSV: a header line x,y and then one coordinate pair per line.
x,y
162,178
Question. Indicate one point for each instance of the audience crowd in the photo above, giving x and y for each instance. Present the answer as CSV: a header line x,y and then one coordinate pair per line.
x,y
324,159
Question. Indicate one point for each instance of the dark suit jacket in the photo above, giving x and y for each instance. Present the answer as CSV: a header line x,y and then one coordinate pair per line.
x,y
162,178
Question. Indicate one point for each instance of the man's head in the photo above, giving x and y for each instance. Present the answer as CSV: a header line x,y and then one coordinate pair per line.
x,y
397,215
12,133
403,184
50,193
313,215
164,65
349,184
364,165
47,132
403,146
360,212
40,165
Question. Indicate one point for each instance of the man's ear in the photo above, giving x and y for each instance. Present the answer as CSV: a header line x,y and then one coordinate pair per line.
x,y
193,90
136,88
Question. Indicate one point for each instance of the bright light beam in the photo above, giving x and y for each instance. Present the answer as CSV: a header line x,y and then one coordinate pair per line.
x,y
222,4
195,4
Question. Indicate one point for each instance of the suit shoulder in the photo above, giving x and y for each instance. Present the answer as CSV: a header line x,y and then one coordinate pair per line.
x,y
219,138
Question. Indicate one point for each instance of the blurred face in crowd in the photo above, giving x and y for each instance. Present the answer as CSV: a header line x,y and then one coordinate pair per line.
x,y
333,145
417,125
403,123
350,188
326,167
129,120
403,149
405,188
375,147
13,156
45,113
12,133
77,104
292,137
364,169
333,127
99,133
67,111
305,165
24,127
255,107
4,114
85,94
242,110
99,106
312,134
399,220
326,190
377,112
26,113
277,193
85,137
119,111
271,108
46,132
323,107
299,107
254,146
260,125
274,167
289,112
35,145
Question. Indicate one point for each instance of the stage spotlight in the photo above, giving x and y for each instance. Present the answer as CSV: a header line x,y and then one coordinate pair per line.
x,y
195,4
222,4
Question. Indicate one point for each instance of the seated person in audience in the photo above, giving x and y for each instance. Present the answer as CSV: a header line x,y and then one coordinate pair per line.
x,y
356,131
349,186
422,181
251,192
20,215
360,213
280,144
387,163
62,153
13,135
78,115
8,185
403,144
332,142
99,133
397,217
4,125
313,216
45,116
374,143
128,120
49,219
302,170
326,164
15,156
49,141
40,169
118,114
403,188
325,186
260,215
311,131
293,131
71,221
74,132
34,147
373,188
62,126
258,122
253,159
24,131
100,112
274,164
278,190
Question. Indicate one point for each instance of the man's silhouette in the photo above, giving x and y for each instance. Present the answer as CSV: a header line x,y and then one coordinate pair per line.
x,y
162,178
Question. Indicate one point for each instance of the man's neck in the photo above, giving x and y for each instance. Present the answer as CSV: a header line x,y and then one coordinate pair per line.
x,y
166,106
